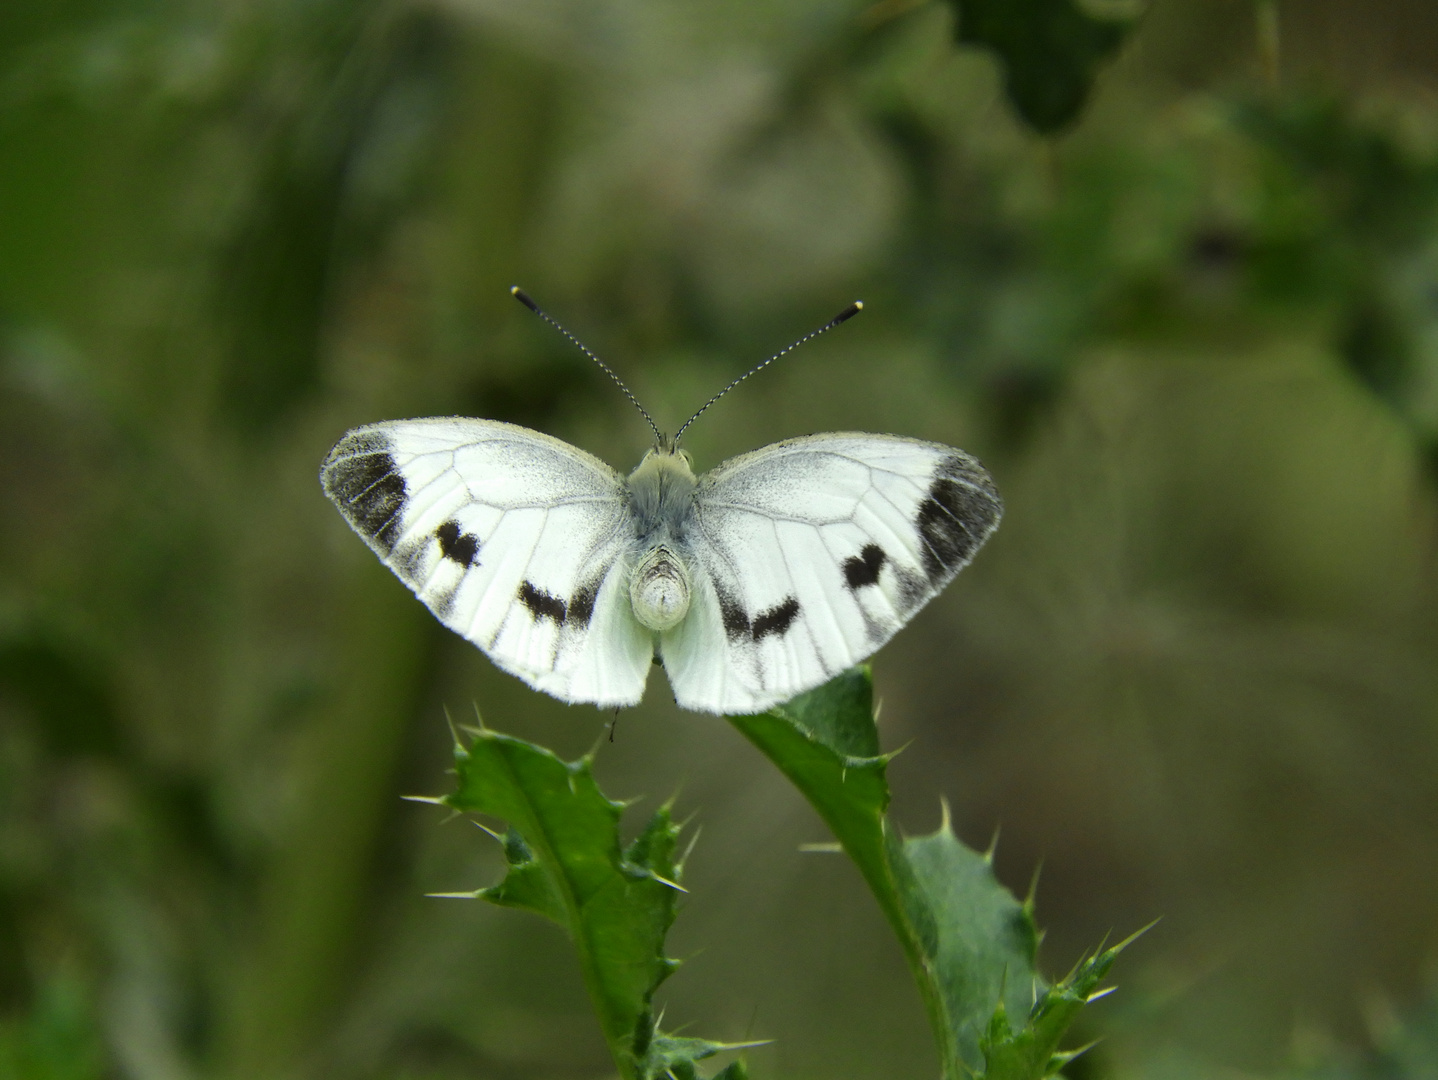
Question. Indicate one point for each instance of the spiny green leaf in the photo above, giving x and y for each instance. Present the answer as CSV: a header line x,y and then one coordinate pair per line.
x,y
1051,51
1031,1052
970,945
565,862
525,885
839,714
985,942
672,1056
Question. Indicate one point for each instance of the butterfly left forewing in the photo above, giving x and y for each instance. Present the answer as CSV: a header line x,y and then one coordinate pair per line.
x,y
514,539
811,553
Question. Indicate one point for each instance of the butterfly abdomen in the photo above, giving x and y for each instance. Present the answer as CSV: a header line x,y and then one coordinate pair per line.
x,y
659,589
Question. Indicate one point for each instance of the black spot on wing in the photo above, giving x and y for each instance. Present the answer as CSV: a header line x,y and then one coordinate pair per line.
x,y
541,604
777,619
581,605
367,487
863,569
456,544
738,626
736,619
956,517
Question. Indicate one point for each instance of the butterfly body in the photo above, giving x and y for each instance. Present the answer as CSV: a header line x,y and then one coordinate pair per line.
x,y
750,583
661,497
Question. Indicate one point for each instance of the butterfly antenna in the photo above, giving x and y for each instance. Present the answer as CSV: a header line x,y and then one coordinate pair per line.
x,y
843,316
525,299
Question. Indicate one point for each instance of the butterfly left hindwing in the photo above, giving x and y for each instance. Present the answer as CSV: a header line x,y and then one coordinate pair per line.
x,y
515,540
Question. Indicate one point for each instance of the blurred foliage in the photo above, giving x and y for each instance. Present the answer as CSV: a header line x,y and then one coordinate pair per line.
x,y
1405,1048
1051,51
1194,339
54,1040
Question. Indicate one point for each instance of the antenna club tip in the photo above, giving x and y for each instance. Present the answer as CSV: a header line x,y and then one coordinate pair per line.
x,y
858,305
523,297
848,313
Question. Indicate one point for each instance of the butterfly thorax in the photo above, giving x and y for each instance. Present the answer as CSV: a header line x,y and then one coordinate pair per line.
x,y
661,491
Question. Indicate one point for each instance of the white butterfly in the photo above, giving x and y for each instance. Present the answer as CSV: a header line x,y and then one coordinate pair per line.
x,y
750,584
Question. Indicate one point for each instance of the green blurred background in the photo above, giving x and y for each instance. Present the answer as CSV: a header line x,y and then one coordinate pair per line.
x,y
1194,335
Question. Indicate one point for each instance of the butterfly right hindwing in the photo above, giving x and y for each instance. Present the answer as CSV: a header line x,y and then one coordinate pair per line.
x,y
515,540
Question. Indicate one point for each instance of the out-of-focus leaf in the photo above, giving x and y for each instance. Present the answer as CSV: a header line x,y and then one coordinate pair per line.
x,y
322,197
1407,1049
1363,175
970,945
566,862
57,1039
1051,51
70,699
1368,202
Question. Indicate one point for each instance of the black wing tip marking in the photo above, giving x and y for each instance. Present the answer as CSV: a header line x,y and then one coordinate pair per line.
x,y
957,515
456,545
361,478
739,627
863,569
